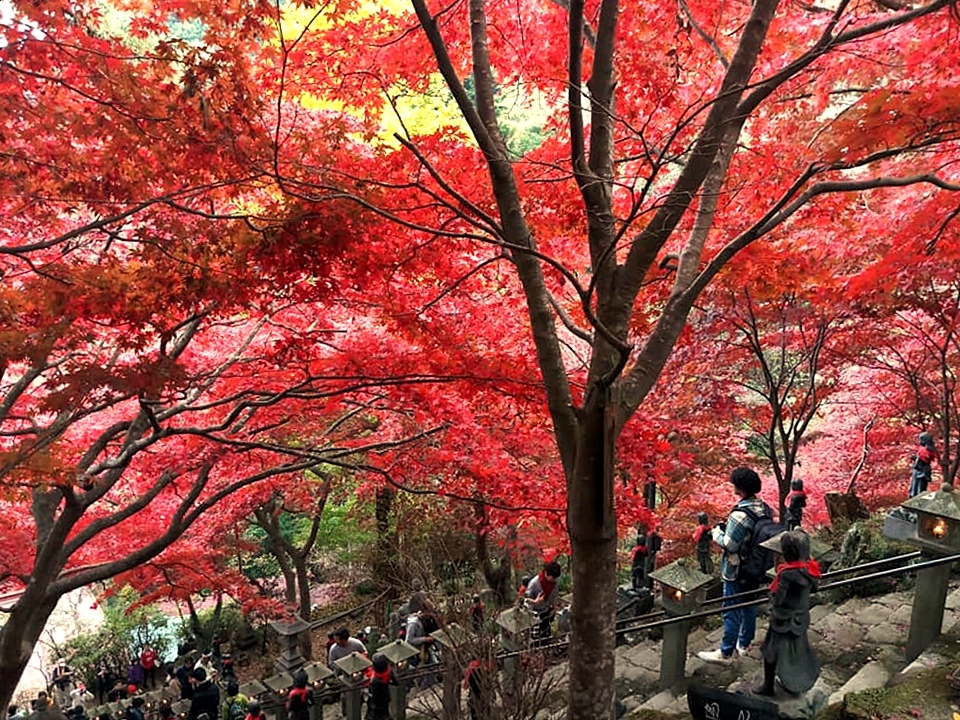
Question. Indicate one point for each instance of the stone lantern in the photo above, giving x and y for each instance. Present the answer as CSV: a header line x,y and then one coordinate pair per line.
x,y
353,667
317,674
279,684
820,551
682,590
398,653
938,520
935,515
289,630
253,689
450,638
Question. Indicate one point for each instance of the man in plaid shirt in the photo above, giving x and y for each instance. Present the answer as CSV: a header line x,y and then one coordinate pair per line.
x,y
740,625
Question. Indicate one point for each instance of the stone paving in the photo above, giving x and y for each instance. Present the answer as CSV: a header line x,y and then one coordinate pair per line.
x,y
860,644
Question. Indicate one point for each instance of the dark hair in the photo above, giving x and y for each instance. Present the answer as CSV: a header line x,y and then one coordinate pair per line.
x,y
795,546
702,518
199,674
745,480
253,707
552,569
796,484
342,633
137,701
380,663
232,687
300,680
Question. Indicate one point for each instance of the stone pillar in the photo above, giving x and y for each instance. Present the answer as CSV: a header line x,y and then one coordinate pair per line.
x,y
929,600
451,686
351,703
398,700
673,654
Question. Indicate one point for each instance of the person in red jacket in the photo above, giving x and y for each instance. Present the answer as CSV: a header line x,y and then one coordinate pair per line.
x,y
148,659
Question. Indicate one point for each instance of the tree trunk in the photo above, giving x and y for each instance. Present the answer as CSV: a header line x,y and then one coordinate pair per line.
x,y
384,569
593,535
305,640
18,638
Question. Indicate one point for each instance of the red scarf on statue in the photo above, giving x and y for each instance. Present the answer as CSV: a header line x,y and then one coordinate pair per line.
x,y
547,583
811,566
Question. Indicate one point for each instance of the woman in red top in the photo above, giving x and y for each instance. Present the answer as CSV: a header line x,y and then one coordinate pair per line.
x,y
148,659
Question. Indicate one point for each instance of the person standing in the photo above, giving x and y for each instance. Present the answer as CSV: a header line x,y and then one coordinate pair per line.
x,y
206,696
542,594
786,649
739,624
342,646
149,659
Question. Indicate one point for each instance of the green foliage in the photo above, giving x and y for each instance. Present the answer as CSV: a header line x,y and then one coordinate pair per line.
x,y
864,542
341,535
126,628
229,623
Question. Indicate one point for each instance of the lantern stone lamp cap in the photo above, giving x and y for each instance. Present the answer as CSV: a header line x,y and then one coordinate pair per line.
x,y
317,672
941,502
516,620
279,682
353,663
397,651
451,636
683,575
290,626
253,688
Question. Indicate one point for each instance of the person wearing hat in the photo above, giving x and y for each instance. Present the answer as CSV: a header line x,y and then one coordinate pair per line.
x,y
206,696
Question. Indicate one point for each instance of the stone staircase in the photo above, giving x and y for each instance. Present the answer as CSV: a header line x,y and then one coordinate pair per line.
x,y
860,643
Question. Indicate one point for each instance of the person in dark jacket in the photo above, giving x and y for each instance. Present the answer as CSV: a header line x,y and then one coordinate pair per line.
x,y
206,696
786,650
135,709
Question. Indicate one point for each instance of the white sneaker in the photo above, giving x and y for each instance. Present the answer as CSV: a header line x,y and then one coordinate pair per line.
x,y
714,656
743,651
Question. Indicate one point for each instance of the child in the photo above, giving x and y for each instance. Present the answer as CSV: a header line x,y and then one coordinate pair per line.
x,y
796,501
786,650
922,466
701,536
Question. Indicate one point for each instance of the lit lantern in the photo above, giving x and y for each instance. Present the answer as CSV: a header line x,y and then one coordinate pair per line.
x,y
279,683
398,653
682,586
317,674
938,519
353,666
253,689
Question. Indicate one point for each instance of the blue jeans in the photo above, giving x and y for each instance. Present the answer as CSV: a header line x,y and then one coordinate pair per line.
x,y
740,625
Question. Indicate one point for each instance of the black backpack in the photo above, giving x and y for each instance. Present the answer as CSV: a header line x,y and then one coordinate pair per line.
x,y
755,560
